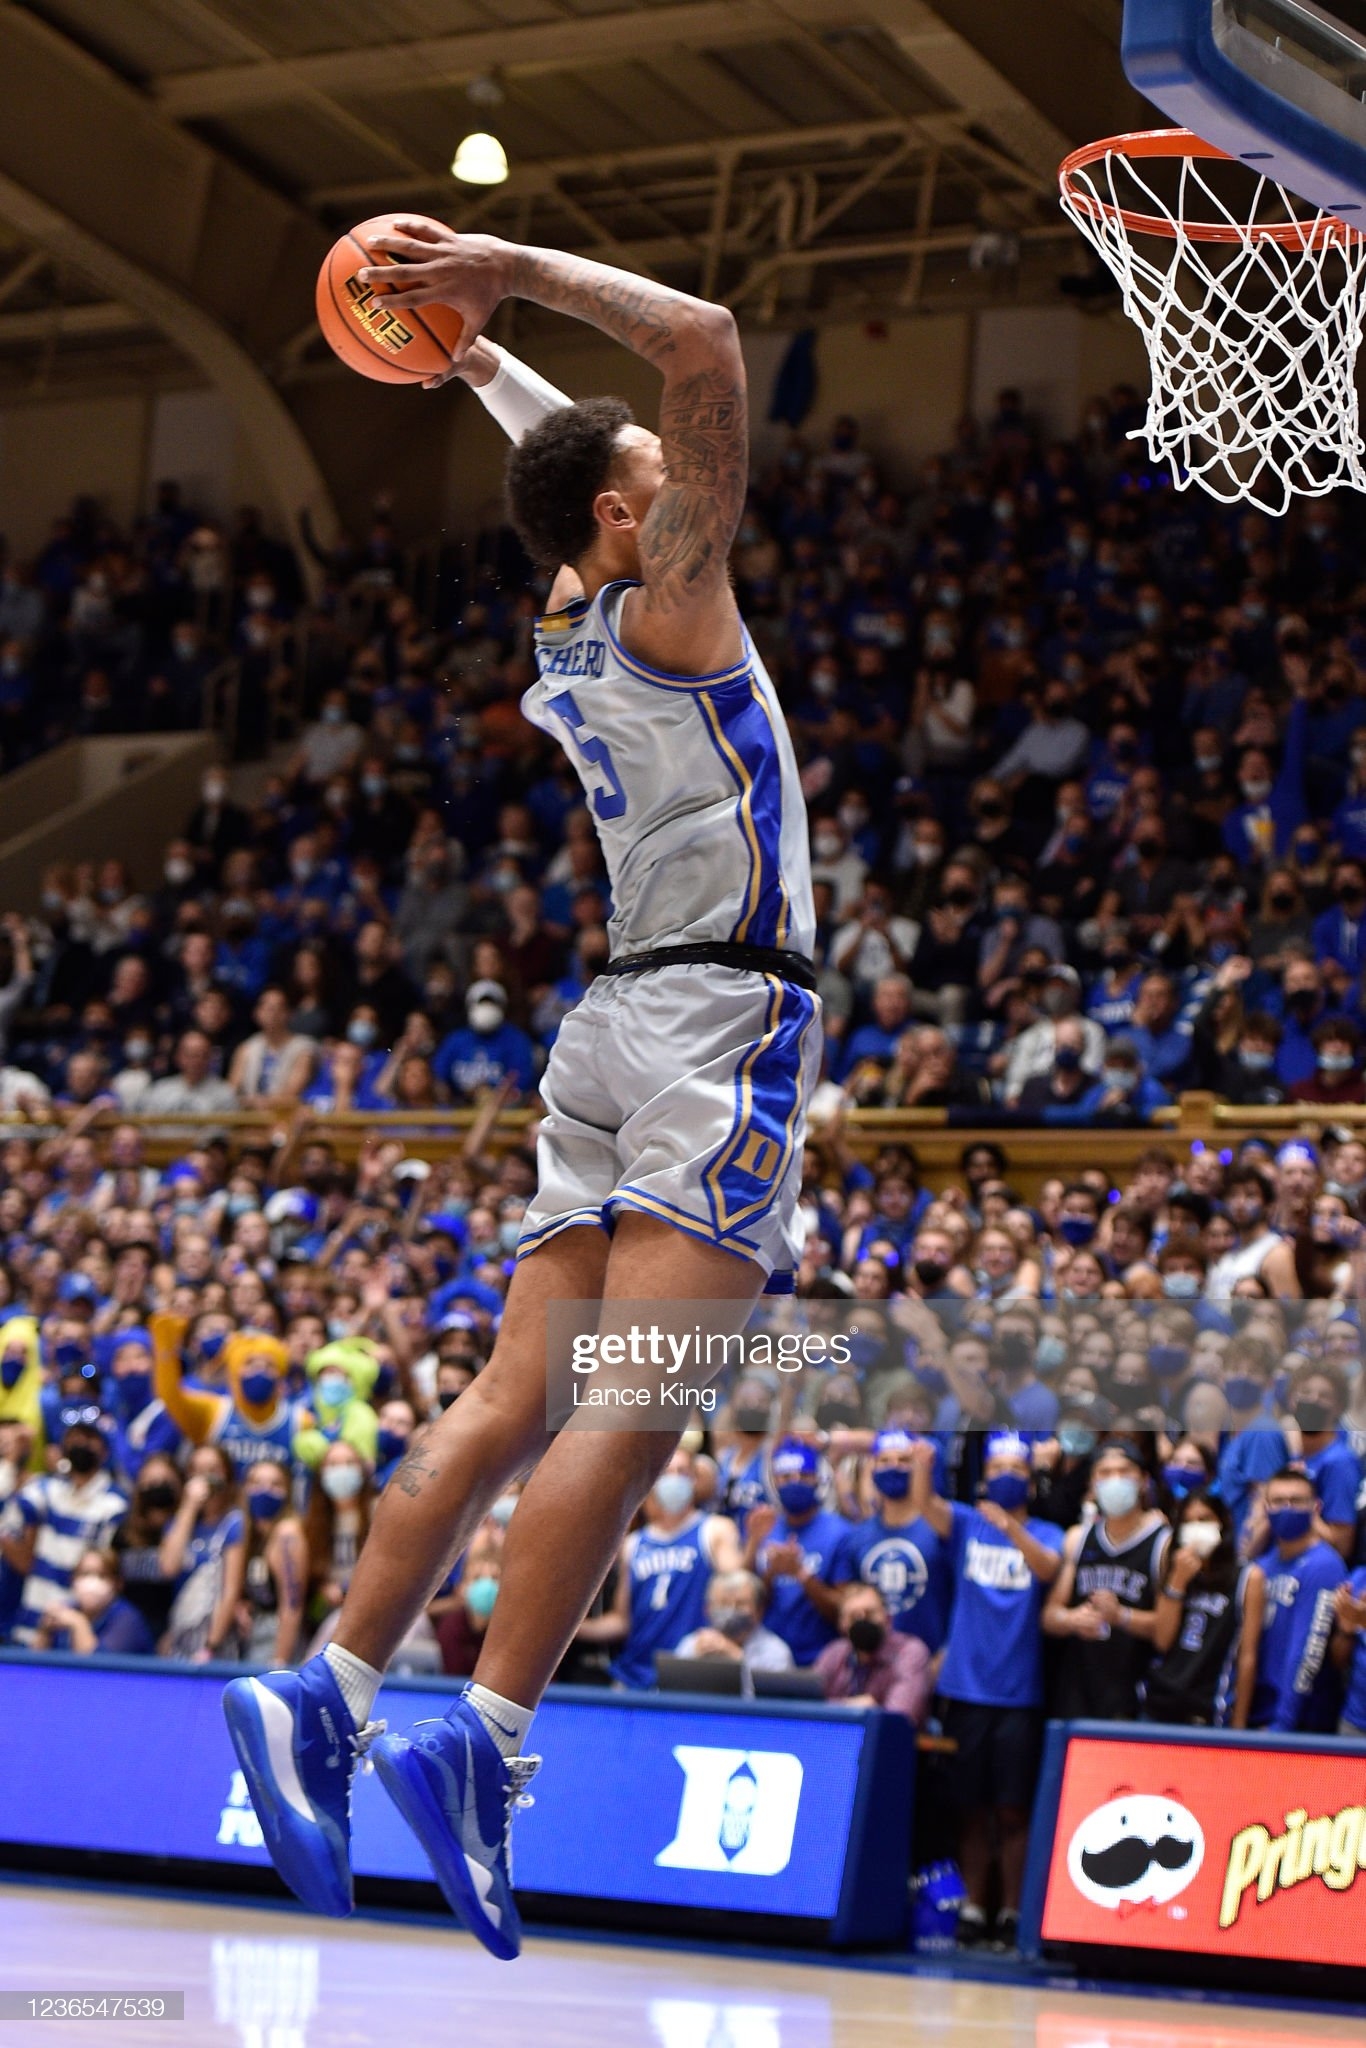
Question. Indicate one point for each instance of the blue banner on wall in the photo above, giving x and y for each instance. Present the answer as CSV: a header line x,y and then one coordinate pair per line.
x,y
750,1810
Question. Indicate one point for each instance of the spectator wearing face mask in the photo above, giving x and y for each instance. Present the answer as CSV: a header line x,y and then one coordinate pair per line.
x,y
800,1549
1102,1603
897,1551
662,1575
1261,827
397,1425
734,1629
991,1681
834,860
462,1614
488,1051
1317,1401
204,1551
741,1484
138,1539
1033,1052
1337,1077
1260,1252
1208,1626
94,1616
1057,1096
53,1519
871,1664
1122,1093
270,1614
337,1523
1297,1687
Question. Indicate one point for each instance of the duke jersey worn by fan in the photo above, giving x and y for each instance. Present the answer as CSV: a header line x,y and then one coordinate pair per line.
x,y
669,1575
680,1092
1099,1677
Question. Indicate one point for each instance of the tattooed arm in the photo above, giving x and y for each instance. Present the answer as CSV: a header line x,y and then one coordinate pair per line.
x,y
685,618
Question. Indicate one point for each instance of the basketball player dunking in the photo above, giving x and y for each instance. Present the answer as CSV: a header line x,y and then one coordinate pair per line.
x,y
669,1157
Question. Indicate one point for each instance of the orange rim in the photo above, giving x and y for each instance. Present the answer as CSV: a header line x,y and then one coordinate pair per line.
x,y
1181,142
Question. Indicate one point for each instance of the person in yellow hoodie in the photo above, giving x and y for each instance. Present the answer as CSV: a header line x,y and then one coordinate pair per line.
x,y
21,1382
256,1419
342,1375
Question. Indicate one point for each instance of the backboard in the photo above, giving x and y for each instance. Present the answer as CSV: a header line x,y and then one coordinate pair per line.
x,y
1280,84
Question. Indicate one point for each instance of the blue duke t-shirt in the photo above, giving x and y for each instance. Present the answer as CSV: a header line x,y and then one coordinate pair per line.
x,y
823,1542
1354,1706
995,1645
910,1567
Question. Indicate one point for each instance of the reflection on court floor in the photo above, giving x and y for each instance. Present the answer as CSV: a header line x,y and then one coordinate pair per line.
x,y
259,1978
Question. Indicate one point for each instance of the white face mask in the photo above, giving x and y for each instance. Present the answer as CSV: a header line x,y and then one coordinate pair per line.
x,y
1203,1538
1117,1496
485,1017
342,1482
673,1492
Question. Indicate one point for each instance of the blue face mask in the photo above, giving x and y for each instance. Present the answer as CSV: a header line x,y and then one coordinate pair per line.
x,y
70,1356
797,1496
1076,1230
1180,1286
12,1369
264,1506
1076,1441
1167,1361
893,1482
1050,1355
389,1444
1287,1525
864,1350
1181,1480
931,1379
1242,1391
135,1390
1008,1490
259,1388
480,1595
210,1344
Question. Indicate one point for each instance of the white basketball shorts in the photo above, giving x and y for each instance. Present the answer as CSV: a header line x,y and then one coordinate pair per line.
x,y
681,1092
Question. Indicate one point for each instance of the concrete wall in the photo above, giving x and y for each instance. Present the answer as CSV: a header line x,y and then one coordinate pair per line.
x,y
92,798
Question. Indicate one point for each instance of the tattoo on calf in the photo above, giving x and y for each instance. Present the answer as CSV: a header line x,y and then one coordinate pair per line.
x,y
415,1468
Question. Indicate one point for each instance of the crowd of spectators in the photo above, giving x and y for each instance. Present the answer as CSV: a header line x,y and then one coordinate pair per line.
x,y
1085,759
1088,827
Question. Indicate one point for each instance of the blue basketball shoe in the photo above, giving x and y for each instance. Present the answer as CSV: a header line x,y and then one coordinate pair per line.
x,y
299,1750
458,1795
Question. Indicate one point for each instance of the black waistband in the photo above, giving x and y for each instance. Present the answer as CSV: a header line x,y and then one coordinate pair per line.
x,y
794,967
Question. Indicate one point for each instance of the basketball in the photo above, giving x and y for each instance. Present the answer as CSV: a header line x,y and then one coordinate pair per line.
x,y
394,348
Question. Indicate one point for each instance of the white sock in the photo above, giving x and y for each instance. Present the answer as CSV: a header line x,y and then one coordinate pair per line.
x,y
357,1681
506,1722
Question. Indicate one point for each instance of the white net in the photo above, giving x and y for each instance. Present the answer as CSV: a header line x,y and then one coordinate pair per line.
x,y
1252,325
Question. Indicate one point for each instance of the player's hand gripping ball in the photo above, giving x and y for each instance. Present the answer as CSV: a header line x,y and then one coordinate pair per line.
x,y
407,346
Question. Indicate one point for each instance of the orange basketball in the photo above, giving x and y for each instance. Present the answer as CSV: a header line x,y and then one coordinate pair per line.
x,y
394,348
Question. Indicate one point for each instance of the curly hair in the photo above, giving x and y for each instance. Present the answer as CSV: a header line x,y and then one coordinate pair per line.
x,y
556,471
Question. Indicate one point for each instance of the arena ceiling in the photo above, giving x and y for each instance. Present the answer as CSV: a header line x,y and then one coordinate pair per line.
x,y
817,157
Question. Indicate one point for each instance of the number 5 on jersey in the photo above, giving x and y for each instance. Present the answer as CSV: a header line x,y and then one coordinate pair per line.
x,y
609,798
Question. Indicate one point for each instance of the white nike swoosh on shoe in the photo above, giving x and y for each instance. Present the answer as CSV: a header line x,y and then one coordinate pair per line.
x,y
278,1727
482,1879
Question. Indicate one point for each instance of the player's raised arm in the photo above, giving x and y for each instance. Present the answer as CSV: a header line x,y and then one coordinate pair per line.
x,y
685,616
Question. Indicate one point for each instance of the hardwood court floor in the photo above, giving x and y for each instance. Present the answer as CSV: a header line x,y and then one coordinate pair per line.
x,y
257,1978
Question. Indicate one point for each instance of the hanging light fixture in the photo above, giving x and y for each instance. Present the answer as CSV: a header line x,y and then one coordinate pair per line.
x,y
481,158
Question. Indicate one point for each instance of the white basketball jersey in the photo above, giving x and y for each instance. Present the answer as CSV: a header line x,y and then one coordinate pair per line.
x,y
691,781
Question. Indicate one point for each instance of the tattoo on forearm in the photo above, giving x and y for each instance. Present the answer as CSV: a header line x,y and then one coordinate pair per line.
x,y
703,422
631,309
416,1468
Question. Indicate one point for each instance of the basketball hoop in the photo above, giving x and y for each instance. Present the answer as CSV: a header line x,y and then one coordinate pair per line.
x,y
1251,314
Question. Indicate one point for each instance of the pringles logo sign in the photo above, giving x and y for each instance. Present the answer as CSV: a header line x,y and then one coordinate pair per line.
x,y
1331,1847
1210,1848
